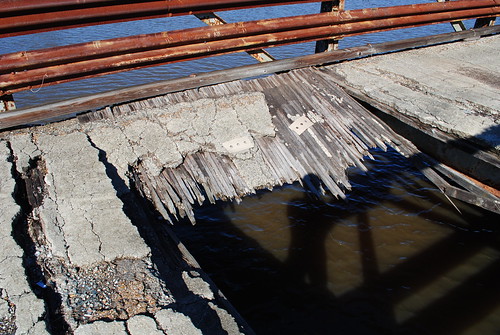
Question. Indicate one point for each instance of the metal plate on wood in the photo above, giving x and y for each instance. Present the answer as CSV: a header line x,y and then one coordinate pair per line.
x,y
301,125
239,144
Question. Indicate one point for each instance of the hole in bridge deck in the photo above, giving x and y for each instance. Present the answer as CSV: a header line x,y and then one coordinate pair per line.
x,y
390,259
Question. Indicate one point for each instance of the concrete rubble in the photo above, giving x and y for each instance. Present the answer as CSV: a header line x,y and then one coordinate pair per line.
x,y
21,311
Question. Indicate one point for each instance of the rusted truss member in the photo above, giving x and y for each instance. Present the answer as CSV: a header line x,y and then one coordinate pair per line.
x,y
18,17
24,70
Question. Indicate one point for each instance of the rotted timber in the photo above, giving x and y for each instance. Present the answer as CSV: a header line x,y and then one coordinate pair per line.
x,y
341,133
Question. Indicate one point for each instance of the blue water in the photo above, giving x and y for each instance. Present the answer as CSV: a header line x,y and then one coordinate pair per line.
x,y
41,95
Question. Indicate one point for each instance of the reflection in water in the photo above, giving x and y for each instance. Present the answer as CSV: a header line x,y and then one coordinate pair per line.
x,y
394,258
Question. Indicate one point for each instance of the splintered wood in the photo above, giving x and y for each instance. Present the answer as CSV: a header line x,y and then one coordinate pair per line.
x,y
335,133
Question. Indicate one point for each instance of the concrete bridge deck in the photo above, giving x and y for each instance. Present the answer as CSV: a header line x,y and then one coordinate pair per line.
x,y
448,94
75,194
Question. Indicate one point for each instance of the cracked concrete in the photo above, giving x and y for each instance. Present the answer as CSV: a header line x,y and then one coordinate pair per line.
x,y
86,223
175,323
90,253
79,192
20,309
449,87
142,324
184,128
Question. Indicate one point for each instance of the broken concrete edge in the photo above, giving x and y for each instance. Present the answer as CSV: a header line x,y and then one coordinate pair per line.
x,y
131,145
77,285
22,310
79,178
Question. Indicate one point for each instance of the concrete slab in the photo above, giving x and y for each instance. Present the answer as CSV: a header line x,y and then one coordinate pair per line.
x,y
184,128
453,87
81,212
142,324
91,243
21,312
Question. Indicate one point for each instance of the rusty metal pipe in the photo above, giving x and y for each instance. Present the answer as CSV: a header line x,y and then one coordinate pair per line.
x,y
79,52
112,11
89,68
37,18
11,6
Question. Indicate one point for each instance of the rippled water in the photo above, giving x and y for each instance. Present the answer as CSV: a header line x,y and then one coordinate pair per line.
x,y
395,258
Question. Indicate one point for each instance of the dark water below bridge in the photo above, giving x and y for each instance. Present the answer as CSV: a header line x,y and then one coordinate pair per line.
x,y
395,258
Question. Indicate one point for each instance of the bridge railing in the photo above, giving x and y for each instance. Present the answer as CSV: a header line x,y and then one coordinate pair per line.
x,y
28,69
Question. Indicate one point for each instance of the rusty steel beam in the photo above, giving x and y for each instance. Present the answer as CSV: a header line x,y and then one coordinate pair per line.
x,y
18,17
21,71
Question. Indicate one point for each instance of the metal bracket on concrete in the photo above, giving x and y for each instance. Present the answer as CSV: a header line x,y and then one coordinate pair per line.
x,y
239,144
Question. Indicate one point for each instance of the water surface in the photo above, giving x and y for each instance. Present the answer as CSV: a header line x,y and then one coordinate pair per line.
x,y
44,94
395,258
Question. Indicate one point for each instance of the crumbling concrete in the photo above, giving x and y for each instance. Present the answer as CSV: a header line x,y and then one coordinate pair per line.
x,y
21,312
452,87
142,324
95,247
81,216
110,263
184,128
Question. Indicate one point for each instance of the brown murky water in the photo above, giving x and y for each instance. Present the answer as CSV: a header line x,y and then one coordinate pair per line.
x,y
395,258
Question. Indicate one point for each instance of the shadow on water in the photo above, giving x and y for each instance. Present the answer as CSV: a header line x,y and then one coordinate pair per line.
x,y
294,294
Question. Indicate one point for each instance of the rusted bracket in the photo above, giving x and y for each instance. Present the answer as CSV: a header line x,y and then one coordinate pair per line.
x,y
7,103
485,22
328,7
213,19
457,25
